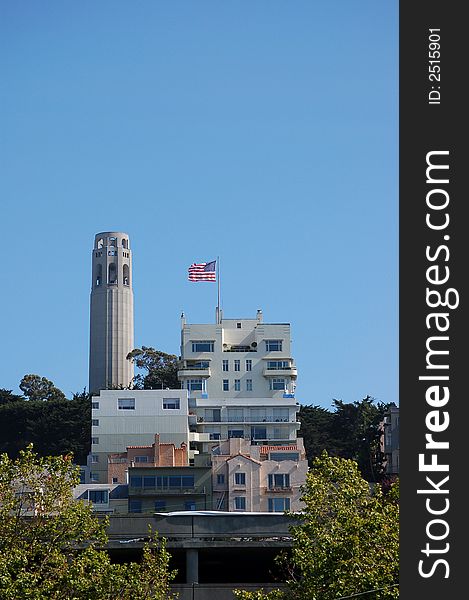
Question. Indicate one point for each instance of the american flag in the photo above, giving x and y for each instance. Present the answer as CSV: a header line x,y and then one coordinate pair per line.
x,y
203,271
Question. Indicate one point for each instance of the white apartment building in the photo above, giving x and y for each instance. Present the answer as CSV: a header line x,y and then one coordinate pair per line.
x,y
122,418
241,379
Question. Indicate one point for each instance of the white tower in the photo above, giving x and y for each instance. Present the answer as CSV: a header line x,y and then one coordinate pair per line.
x,y
111,312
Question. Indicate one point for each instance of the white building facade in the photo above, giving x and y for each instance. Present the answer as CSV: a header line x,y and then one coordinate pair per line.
x,y
122,418
241,379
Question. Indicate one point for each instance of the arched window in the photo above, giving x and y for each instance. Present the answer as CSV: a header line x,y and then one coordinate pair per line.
x,y
100,243
111,241
126,275
99,275
112,278
124,243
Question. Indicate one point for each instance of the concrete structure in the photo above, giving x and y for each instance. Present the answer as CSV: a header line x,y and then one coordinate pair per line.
x,y
111,312
248,477
165,489
241,379
213,552
156,455
123,418
390,440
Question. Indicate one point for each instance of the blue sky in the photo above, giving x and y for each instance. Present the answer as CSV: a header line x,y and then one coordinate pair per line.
x,y
263,131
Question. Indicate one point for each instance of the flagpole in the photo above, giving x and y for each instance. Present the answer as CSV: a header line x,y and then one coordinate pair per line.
x,y
218,291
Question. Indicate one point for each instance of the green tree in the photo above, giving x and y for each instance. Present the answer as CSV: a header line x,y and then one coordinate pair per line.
x,y
58,426
7,396
161,369
35,387
315,430
50,543
346,541
355,434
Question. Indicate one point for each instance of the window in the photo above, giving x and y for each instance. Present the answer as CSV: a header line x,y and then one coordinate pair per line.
x,y
190,505
171,403
275,365
226,385
141,459
237,385
136,482
126,403
115,480
198,364
238,325
278,456
98,496
237,365
135,506
279,480
240,503
99,275
273,345
279,504
149,482
279,433
202,346
112,274
235,415
95,405
225,365
248,364
187,481
258,433
235,433
170,481
220,479
281,415
125,275
277,383
95,440
212,415
94,458
94,477
240,478
195,384
248,385
95,422
160,505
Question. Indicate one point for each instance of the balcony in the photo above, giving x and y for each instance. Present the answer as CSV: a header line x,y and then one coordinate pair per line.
x,y
195,372
283,372
168,491
233,348
277,488
247,419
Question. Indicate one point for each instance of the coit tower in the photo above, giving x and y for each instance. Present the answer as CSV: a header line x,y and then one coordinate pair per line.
x,y
111,312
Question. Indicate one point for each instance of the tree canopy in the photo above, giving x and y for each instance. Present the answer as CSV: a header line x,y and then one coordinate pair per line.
x,y
350,431
58,426
35,387
51,544
7,396
346,541
161,368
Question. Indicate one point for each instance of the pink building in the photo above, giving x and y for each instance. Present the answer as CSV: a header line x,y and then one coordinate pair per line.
x,y
256,478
